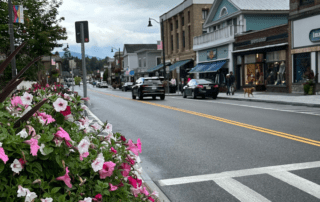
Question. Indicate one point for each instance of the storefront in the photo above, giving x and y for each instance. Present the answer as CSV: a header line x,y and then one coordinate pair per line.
x,y
261,60
305,52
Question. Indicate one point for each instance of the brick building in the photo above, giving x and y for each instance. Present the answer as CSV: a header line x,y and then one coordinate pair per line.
x,y
304,38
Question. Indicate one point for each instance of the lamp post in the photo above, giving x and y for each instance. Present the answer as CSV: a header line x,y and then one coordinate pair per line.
x,y
13,61
163,47
119,59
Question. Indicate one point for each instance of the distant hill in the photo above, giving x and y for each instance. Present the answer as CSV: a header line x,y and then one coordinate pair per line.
x,y
78,55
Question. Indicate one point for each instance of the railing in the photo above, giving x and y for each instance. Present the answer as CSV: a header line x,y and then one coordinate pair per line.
x,y
225,32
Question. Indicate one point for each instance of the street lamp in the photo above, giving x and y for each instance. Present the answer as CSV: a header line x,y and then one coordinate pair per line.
x,y
163,49
119,59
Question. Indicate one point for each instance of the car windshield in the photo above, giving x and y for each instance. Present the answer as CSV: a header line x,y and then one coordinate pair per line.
x,y
152,81
204,81
129,83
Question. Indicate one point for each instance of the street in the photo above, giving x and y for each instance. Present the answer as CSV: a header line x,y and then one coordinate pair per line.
x,y
219,150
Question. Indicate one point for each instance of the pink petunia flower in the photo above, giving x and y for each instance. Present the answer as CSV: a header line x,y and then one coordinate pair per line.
x,y
34,147
98,197
62,134
46,200
125,169
132,147
133,182
27,98
45,119
84,155
96,126
113,150
31,130
144,191
139,145
16,101
112,187
98,163
135,191
130,160
150,199
66,178
60,105
107,169
85,98
66,112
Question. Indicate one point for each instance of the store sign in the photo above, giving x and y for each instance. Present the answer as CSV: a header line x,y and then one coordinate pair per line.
x,y
212,54
253,41
314,35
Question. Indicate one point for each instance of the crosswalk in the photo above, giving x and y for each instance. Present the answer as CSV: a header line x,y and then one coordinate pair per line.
x,y
229,180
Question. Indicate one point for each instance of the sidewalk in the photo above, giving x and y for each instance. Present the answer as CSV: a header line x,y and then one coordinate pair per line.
x,y
270,97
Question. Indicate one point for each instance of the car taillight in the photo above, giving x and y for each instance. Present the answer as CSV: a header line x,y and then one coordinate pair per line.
x,y
144,86
216,86
199,86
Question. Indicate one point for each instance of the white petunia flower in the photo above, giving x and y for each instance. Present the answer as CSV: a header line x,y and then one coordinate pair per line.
x,y
46,200
30,196
98,163
26,98
69,118
0,144
60,105
41,149
83,146
23,133
16,166
22,191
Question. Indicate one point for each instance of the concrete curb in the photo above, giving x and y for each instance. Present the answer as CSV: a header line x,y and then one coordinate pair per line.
x,y
273,101
147,181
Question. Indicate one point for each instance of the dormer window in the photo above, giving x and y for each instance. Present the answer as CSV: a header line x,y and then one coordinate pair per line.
x,y
223,12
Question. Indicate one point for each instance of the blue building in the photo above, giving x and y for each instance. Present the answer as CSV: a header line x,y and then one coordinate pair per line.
x,y
227,19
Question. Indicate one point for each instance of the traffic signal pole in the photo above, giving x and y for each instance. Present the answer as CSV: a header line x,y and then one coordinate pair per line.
x,y
84,70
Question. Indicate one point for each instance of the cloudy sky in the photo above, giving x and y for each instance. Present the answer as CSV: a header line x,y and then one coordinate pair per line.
x,y
113,23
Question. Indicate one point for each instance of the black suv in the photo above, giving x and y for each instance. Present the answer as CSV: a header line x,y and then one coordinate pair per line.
x,y
148,87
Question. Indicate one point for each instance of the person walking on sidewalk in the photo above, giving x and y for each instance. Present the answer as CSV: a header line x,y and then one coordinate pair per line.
x,y
232,81
228,83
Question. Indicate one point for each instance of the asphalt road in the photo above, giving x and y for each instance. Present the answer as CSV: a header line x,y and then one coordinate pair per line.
x,y
219,150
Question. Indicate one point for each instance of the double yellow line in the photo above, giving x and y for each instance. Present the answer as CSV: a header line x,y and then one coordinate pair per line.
x,y
243,125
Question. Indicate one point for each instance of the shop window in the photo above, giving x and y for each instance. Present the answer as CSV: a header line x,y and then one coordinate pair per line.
x,y
275,71
253,69
306,2
302,64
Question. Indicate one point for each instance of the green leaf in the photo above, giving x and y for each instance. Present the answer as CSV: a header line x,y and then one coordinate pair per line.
x,y
62,198
59,118
1,166
59,161
37,165
48,150
3,134
106,192
55,190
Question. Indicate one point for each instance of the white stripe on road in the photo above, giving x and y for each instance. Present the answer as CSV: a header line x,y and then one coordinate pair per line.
x,y
257,107
298,182
239,173
240,191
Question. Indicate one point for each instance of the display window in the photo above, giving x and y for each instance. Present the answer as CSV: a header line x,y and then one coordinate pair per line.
x,y
275,68
254,74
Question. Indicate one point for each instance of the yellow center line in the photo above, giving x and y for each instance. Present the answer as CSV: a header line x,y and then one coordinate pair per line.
x,y
243,125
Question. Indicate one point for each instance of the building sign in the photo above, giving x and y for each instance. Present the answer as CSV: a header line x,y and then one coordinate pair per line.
x,y
253,41
212,54
314,35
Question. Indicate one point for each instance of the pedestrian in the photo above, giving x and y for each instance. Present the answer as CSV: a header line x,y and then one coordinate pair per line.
x,y
232,81
228,83
188,78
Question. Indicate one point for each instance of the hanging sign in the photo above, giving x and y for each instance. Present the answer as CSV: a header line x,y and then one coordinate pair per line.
x,y
314,35
17,14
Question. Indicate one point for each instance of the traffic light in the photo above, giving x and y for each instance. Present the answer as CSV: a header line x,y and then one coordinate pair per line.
x,y
85,30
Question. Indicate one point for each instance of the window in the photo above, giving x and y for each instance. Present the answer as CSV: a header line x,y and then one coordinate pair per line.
x,y
223,12
305,2
158,60
144,62
172,42
229,22
183,39
302,64
182,21
177,40
189,17
177,24
189,34
171,26
253,69
204,14
140,62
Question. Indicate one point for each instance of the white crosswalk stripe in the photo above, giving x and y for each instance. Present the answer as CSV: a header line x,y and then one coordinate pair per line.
x,y
243,193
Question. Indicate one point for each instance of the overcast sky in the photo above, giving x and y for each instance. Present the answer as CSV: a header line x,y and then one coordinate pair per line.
x,y
113,23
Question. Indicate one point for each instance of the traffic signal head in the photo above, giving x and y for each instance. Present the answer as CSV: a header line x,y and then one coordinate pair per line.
x,y
85,30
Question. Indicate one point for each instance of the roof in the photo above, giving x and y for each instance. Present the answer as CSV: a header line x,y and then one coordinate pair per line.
x,y
262,4
131,48
147,50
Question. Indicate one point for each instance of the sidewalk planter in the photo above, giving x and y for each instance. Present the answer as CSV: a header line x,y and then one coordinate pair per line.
x,y
309,87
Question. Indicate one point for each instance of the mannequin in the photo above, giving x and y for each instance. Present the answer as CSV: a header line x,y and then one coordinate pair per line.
x,y
282,69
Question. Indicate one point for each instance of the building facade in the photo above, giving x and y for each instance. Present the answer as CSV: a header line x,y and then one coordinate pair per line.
x,y
147,58
304,37
226,20
117,68
261,59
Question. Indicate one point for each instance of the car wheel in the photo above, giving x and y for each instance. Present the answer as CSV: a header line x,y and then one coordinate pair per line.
x,y
153,97
162,97
194,96
140,95
203,96
184,94
214,96
133,96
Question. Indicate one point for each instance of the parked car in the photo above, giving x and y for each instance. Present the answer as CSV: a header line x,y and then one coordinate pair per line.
x,y
148,87
127,86
201,87
102,84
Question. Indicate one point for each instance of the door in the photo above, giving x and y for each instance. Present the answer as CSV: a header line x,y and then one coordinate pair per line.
x,y
238,79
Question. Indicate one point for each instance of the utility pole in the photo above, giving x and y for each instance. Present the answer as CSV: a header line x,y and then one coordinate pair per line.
x,y
164,55
11,33
84,71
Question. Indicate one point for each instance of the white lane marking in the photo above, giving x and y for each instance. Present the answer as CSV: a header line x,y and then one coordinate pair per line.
x,y
257,107
240,191
298,182
239,173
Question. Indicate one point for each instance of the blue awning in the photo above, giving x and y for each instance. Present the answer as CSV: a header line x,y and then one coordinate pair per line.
x,y
131,73
208,67
178,64
152,69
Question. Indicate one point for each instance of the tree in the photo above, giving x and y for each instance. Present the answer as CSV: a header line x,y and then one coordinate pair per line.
x,y
41,30
105,75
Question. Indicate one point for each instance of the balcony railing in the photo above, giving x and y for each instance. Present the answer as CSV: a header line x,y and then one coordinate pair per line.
x,y
225,32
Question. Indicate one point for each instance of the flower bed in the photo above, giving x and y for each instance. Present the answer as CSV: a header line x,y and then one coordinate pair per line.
x,y
58,154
